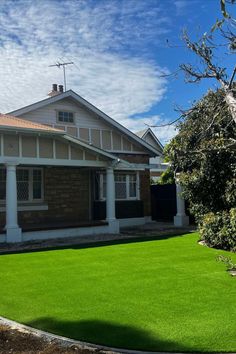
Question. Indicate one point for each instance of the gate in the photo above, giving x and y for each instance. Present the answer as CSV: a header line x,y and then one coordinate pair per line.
x,y
163,201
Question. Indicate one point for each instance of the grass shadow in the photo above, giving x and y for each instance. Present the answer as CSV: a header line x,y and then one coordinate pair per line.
x,y
108,334
94,244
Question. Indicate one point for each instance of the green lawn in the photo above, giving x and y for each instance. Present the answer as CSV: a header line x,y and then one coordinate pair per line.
x,y
168,294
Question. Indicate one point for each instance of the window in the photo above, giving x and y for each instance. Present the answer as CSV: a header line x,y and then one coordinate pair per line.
x,y
29,184
132,186
22,179
126,186
65,117
120,186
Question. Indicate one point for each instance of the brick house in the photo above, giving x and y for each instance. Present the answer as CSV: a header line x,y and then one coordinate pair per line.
x,y
68,169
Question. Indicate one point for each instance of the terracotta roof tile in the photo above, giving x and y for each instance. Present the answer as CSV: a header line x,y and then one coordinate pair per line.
x,y
7,121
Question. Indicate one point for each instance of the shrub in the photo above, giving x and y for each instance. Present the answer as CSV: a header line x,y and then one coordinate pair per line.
x,y
227,261
219,230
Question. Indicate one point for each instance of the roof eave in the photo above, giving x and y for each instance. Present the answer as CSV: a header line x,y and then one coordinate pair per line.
x,y
30,130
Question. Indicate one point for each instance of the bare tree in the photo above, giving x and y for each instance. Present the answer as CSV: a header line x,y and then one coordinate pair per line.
x,y
205,49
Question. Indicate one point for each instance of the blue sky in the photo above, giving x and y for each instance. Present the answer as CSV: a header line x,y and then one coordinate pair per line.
x,y
119,49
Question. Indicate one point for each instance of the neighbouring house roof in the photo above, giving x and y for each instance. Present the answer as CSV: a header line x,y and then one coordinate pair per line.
x,y
141,133
148,131
10,122
77,98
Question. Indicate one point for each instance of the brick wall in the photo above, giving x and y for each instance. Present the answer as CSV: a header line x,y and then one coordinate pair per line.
x,y
66,191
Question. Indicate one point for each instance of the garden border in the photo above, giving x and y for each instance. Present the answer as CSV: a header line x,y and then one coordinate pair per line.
x,y
68,342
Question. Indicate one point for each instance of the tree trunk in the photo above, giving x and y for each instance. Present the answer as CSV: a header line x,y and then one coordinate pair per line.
x,y
231,101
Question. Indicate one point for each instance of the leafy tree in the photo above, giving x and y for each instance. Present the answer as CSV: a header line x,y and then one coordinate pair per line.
x,y
167,177
204,152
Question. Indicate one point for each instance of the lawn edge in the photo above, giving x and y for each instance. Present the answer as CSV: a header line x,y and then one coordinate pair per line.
x,y
68,342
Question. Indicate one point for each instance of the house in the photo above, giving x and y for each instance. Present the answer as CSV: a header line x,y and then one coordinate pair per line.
x,y
68,169
157,165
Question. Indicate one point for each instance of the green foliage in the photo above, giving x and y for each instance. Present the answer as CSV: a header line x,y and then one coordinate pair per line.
x,y
204,151
227,261
219,230
167,177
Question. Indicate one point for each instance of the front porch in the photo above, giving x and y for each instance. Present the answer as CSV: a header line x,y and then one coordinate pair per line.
x,y
50,184
65,208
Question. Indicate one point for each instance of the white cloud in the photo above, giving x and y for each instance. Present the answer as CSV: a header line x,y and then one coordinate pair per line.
x,y
99,37
181,5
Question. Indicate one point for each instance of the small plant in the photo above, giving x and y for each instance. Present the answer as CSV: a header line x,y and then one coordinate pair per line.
x,y
227,261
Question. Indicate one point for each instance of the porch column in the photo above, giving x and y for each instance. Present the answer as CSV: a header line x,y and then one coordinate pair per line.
x,y
181,219
110,201
13,232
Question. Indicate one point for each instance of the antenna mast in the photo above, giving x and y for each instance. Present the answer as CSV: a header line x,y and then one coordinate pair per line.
x,y
64,69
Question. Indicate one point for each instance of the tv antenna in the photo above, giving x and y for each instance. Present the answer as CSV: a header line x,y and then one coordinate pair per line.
x,y
63,65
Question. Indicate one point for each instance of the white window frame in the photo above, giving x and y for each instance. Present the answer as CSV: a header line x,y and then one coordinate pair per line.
x,y
63,122
127,181
30,186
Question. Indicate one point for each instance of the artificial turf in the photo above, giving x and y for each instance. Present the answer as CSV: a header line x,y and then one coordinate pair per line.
x,y
160,295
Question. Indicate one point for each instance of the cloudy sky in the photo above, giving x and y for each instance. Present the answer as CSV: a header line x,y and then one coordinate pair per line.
x,y
119,51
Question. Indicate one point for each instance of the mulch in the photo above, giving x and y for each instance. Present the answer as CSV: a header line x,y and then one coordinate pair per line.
x,y
20,342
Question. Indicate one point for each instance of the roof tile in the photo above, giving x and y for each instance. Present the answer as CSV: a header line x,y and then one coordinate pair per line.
x,y
7,121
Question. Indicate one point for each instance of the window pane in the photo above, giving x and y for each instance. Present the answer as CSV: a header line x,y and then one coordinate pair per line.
x,y
120,186
22,177
66,117
120,190
120,178
37,184
132,186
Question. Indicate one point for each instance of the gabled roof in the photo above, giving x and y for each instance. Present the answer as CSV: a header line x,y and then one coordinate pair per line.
x,y
10,122
77,98
143,134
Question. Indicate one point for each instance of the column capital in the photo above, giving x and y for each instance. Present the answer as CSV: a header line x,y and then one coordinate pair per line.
x,y
11,164
110,169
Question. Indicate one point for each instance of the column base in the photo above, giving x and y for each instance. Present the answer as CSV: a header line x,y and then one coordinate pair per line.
x,y
114,226
181,220
13,234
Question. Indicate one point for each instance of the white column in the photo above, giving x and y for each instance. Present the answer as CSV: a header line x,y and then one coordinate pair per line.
x,y
13,232
181,219
110,201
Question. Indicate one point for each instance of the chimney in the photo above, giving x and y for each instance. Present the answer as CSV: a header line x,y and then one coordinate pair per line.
x,y
54,91
60,87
